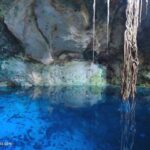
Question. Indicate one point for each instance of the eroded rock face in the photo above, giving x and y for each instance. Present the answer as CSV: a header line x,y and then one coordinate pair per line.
x,y
64,28
50,27
9,45
23,73
46,28
60,30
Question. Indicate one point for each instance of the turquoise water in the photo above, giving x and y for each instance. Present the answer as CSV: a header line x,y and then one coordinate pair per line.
x,y
73,118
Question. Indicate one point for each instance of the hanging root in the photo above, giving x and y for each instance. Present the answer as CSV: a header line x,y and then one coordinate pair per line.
x,y
131,62
94,28
146,6
108,20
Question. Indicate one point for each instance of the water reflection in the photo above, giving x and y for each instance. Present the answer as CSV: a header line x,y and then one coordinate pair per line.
x,y
128,124
71,96
74,118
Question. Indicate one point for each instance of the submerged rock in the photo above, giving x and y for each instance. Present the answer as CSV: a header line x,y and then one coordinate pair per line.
x,y
24,73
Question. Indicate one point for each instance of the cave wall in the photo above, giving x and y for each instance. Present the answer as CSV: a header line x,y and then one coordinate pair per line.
x,y
53,31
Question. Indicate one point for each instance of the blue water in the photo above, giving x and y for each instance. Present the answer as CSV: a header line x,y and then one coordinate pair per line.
x,y
73,118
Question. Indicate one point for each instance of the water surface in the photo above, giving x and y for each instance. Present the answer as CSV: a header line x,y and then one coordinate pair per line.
x,y
73,118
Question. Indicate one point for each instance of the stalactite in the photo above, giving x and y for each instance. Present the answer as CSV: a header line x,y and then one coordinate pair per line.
x,y
131,62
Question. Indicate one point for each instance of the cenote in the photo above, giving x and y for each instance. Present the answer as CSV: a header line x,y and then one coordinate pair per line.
x,y
74,118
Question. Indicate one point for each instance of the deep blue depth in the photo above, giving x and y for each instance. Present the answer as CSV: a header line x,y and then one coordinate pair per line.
x,y
73,118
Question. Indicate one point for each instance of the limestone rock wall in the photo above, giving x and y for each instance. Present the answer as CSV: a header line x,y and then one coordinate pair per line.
x,y
48,32
15,71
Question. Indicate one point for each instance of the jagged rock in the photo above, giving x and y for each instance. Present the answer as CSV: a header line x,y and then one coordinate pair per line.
x,y
57,26
45,29
23,73
63,27
51,29
9,45
22,23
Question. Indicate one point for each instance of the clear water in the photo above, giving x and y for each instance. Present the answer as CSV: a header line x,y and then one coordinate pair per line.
x,y
73,118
